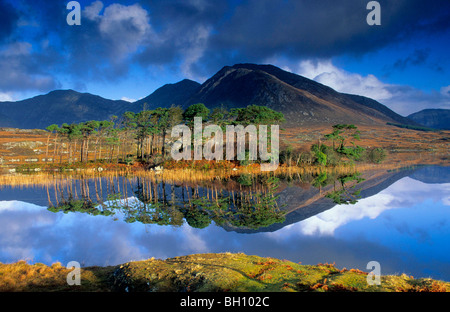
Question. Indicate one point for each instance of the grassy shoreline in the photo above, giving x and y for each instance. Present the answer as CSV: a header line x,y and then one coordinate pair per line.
x,y
212,272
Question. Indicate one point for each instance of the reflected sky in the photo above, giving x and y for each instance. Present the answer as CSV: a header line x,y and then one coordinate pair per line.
x,y
404,227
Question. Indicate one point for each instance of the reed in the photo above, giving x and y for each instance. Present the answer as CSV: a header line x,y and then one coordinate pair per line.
x,y
187,175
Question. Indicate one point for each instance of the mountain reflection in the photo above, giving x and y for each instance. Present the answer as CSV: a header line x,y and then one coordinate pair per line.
x,y
249,201
399,219
245,203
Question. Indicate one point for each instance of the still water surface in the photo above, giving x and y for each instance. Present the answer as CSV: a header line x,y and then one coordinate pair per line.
x,y
401,220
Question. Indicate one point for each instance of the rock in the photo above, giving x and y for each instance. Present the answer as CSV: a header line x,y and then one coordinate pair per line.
x,y
31,159
27,144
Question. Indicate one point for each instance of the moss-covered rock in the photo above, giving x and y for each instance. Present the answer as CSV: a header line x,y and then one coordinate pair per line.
x,y
219,272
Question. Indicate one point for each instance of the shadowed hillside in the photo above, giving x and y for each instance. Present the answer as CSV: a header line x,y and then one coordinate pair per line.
x,y
433,118
301,100
60,106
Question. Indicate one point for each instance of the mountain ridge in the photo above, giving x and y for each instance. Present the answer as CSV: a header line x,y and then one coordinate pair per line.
x,y
169,94
436,118
58,106
302,101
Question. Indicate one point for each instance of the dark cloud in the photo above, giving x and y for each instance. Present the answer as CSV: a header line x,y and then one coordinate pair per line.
x,y
419,56
21,69
258,30
8,19
263,28
28,55
181,31
102,46
198,37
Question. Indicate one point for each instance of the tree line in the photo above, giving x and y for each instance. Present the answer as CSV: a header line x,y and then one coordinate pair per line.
x,y
144,134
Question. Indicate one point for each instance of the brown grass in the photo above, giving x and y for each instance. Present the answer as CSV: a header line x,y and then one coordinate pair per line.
x,y
208,272
402,144
21,276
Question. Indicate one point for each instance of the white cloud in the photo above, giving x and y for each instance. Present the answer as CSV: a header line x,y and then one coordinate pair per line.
x,y
193,242
406,192
19,72
194,50
92,11
123,28
327,222
124,98
446,91
15,205
5,97
406,100
402,99
340,80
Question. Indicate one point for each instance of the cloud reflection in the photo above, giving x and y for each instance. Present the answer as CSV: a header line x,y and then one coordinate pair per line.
x,y
404,193
405,228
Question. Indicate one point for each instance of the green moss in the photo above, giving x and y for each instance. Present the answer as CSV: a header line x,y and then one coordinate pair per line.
x,y
234,272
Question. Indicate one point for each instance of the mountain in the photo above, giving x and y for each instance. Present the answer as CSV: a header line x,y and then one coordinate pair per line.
x,y
169,94
300,203
303,101
433,118
68,106
60,106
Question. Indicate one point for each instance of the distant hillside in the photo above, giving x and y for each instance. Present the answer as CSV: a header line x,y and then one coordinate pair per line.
x,y
169,94
433,118
58,107
68,106
303,101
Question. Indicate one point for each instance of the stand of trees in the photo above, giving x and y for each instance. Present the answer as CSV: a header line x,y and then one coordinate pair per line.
x,y
143,135
343,149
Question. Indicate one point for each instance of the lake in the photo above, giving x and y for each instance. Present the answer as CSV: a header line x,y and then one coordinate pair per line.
x,y
399,218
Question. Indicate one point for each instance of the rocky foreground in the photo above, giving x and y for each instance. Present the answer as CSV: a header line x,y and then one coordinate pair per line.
x,y
207,273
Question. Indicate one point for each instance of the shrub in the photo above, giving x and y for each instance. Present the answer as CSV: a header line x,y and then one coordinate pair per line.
x,y
377,155
354,152
333,157
321,157
245,180
287,156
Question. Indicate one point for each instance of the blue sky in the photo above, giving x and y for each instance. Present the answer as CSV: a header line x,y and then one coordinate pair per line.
x,y
127,49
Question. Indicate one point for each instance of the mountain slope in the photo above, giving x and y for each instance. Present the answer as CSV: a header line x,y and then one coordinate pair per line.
x,y
68,106
169,94
433,118
303,101
58,107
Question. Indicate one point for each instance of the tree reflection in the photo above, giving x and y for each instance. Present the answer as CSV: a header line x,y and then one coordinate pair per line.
x,y
347,193
246,201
